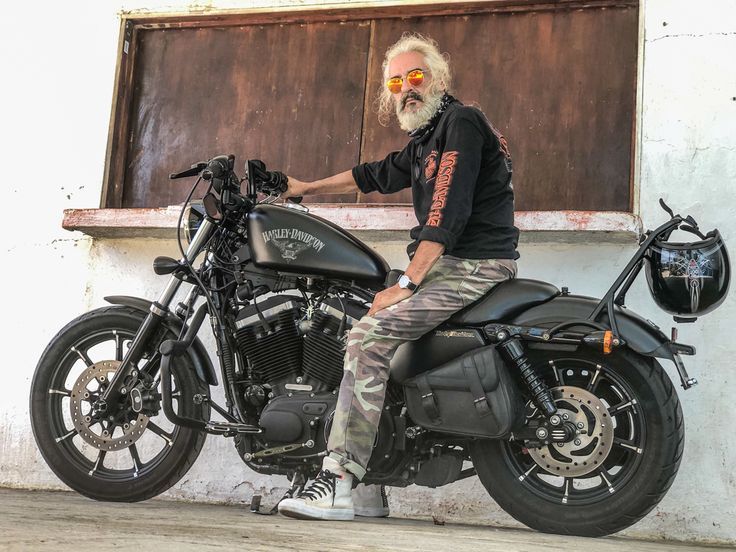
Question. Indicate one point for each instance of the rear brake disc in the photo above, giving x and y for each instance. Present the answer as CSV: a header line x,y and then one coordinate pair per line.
x,y
594,439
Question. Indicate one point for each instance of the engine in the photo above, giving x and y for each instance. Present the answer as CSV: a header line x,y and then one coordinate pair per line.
x,y
290,351
295,355
268,336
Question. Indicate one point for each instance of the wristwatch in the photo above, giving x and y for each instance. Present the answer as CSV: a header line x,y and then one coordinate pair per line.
x,y
406,283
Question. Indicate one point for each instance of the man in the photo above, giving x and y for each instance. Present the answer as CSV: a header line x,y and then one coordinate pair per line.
x,y
459,170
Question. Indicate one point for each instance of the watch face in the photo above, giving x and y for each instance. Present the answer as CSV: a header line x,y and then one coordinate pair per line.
x,y
406,283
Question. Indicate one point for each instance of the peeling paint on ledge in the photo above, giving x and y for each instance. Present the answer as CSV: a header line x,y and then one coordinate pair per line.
x,y
161,222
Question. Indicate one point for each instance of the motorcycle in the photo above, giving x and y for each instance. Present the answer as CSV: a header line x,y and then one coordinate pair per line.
x,y
556,402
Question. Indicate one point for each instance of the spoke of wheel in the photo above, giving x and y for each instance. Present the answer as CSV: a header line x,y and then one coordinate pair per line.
x,y
568,486
631,445
528,472
93,423
617,409
110,428
70,434
558,375
92,397
593,383
118,346
83,356
65,392
168,437
136,459
606,478
98,462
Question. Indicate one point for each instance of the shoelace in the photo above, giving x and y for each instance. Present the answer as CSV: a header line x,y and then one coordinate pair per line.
x,y
323,485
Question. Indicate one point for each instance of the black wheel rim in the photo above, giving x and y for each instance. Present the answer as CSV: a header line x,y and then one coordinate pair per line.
x,y
101,464
625,456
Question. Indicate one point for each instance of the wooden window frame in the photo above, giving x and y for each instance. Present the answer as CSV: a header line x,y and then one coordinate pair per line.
x,y
119,129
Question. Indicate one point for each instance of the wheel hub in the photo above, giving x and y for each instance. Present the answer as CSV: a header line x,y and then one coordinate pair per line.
x,y
593,439
85,419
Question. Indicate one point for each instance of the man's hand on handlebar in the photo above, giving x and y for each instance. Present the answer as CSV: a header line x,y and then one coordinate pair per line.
x,y
296,188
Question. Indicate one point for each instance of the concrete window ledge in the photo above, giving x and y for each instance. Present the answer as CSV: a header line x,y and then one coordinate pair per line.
x,y
389,220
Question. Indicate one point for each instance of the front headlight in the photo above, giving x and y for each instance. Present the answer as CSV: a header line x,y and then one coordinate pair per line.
x,y
194,214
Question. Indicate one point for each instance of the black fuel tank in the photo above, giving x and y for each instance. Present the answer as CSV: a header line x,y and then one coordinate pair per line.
x,y
293,241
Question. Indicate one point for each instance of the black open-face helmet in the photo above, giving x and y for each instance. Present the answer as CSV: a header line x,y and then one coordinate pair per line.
x,y
689,279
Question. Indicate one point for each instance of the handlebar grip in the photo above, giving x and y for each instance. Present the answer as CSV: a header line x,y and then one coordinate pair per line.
x,y
218,167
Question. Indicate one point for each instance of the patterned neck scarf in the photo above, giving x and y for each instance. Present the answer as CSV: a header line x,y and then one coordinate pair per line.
x,y
423,132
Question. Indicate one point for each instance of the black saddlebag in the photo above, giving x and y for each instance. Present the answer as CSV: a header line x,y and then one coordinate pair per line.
x,y
471,395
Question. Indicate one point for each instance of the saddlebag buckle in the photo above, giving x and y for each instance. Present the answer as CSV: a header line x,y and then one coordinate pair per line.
x,y
429,403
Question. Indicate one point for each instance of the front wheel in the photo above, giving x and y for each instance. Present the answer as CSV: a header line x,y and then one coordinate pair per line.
x,y
619,466
122,455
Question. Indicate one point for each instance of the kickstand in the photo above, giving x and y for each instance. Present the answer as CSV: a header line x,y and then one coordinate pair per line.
x,y
297,485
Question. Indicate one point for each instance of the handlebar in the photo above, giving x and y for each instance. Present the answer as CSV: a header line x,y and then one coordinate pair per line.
x,y
220,172
267,182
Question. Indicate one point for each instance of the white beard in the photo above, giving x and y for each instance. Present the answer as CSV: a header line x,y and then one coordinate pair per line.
x,y
412,120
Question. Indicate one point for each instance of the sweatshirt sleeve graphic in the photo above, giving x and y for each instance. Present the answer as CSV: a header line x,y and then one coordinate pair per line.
x,y
441,187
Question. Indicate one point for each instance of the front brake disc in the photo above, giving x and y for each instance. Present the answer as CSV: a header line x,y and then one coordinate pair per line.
x,y
100,432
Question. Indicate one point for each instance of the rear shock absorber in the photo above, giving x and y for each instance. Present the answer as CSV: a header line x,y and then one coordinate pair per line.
x,y
512,351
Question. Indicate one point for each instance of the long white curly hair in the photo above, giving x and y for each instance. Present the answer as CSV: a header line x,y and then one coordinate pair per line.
x,y
437,63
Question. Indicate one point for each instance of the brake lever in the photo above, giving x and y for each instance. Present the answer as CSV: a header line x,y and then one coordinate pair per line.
x,y
193,171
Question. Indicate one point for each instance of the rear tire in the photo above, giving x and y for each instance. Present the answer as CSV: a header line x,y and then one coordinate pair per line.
x,y
126,474
633,475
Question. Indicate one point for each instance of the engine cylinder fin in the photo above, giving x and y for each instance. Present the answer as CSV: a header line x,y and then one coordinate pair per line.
x,y
274,354
324,350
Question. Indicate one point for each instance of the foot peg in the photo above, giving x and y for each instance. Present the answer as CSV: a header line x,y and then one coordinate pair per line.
x,y
230,428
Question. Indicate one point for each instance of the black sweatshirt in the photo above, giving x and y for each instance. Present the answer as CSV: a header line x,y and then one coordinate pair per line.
x,y
460,175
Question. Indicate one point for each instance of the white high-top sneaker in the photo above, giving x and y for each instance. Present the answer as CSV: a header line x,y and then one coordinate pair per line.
x,y
327,497
370,501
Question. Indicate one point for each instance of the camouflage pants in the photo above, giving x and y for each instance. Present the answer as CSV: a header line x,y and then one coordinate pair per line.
x,y
450,285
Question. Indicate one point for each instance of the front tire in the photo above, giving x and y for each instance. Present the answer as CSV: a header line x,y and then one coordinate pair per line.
x,y
631,473
132,458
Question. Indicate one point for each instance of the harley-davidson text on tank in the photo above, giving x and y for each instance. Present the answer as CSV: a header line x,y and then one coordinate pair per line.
x,y
292,241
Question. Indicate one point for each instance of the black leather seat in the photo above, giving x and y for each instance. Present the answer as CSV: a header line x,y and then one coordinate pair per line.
x,y
505,301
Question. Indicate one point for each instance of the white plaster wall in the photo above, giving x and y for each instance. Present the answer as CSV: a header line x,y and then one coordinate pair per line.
x,y
57,63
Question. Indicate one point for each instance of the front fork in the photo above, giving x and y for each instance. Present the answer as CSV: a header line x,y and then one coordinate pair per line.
x,y
127,371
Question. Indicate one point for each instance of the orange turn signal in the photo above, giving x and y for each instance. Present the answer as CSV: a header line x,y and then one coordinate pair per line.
x,y
607,342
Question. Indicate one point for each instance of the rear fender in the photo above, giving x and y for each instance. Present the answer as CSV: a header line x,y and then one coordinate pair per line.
x,y
197,352
640,334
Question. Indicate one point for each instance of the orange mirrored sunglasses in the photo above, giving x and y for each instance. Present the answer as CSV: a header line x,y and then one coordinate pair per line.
x,y
414,77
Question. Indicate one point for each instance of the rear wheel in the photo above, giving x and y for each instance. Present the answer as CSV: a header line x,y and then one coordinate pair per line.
x,y
617,469
121,455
